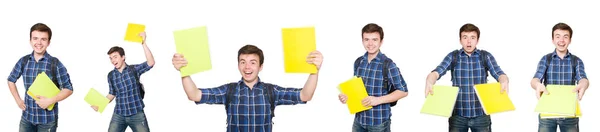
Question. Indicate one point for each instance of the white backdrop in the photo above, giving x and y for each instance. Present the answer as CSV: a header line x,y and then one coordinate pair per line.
x,y
417,36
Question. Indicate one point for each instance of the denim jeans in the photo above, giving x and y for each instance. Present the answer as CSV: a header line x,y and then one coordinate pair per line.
x,y
137,123
26,126
383,127
476,124
565,124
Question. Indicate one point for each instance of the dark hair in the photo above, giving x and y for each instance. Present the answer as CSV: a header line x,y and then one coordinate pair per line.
x,y
469,28
371,28
116,49
41,28
251,49
562,26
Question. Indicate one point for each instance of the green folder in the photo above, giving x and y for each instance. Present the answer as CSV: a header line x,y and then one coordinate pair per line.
x,y
561,100
94,97
193,44
441,103
43,86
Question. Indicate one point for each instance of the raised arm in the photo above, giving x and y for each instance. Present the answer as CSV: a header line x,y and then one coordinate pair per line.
x,y
308,91
149,57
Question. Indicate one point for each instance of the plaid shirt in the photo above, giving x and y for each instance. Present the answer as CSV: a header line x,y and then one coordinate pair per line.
x,y
250,110
33,113
560,71
126,89
372,76
468,72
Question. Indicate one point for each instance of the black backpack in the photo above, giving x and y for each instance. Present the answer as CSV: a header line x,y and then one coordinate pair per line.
x,y
53,62
269,95
137,79
549,58
386,62
483,57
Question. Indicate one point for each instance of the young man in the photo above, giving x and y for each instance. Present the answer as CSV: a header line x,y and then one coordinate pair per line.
x,y
35,116
250,103
469,66
560,67
382,92
124,85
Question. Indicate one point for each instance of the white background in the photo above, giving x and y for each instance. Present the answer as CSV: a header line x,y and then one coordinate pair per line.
x,y
417,36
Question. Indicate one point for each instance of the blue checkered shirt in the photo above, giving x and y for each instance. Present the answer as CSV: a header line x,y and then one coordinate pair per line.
x,y
372,75
250,109
468,72
33,113
126,90
560,71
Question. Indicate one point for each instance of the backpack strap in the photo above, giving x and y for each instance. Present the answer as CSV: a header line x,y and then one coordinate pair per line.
x,y
484,61
574,63
386,82
53,71
453,63
137,80
356,64
229,95
548,60
270,93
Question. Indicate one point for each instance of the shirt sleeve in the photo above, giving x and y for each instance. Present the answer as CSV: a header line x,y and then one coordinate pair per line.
x,y
495,69
142,68
215,95
15,74
287,96
580,70
64,80
396,78
541,69
443,67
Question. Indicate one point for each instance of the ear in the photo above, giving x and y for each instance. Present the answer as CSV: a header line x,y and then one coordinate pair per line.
x,y
260,68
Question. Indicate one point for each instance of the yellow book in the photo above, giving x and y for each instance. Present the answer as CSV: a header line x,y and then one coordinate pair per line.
x,y
560,100
43,86
577,114
492,99
442,102
297,45
94,97
192,43
132,33
355,90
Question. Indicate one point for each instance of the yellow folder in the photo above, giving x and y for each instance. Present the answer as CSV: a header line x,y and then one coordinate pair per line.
x,y
43,86
133,31
193,44
94,97
442,102
560,100
297,45
577,114
355,90
492,100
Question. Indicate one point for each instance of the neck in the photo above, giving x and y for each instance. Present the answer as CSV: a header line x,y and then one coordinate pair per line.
x,y
38,56
561,54
251,84
122,67
372,56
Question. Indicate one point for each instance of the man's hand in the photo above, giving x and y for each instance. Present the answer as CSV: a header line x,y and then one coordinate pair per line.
x,y
504,87
95,108
540,89
179,61
343,98
45,102
580,91
316,58
143,35
428,89
21,104
371,101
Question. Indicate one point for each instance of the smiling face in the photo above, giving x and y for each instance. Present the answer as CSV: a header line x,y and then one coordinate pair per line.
x,y
561,40
117,60
39,41
249,66
372,42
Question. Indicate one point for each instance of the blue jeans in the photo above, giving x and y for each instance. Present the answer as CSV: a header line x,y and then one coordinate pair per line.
x,y
137,123
565,124
476,124
383,127
26,126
